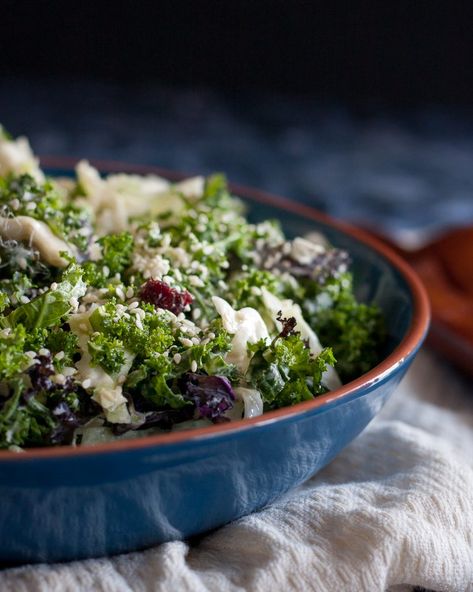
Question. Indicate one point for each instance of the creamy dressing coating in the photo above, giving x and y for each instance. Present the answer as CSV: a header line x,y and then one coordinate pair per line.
x,y
252,401
246,325
39,235
120,197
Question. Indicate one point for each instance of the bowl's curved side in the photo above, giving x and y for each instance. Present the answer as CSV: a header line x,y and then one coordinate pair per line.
x,y
57,509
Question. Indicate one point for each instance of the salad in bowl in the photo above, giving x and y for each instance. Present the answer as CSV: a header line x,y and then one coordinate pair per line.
x,y
130,305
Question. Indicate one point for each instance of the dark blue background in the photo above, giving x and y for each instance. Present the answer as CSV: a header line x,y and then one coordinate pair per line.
x,y
364,110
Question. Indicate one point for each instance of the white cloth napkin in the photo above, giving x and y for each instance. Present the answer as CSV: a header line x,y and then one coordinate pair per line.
x,y
394,510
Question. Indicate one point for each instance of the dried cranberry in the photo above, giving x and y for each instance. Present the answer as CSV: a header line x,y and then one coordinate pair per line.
x,y
163,296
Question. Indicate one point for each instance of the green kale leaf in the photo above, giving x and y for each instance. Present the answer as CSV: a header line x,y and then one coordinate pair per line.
x,y
12,357
49,308
355,331
285,371
107,353
116,257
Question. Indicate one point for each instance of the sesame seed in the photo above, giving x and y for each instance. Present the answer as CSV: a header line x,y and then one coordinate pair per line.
x,y
31,354
23,263
196,281
60,355
68,371
138,312
195,340
31,206
194,366
120,293
106,271
44,352
196,314
24,299
211,335
177,358
87,383
59,378
133,304
139,324
186,342
130,293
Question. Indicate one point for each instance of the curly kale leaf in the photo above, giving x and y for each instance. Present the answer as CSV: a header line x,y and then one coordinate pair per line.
x,y
156,380
49,308
24,422
37,411
12,357
116,257
286,372
355,331
23,195
107,353
245,288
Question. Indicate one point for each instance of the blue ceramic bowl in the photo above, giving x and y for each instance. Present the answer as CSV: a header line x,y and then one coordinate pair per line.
x,y
69,503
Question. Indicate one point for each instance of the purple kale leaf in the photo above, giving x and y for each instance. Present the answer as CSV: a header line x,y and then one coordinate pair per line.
x,y
322,266
211,395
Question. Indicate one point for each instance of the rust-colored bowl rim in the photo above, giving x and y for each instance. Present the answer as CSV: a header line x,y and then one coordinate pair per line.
x,y
411,341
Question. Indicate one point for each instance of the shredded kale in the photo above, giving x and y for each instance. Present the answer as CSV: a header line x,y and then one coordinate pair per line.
x,y
12,357
24,196
245,288
107,353
116,256
138,304
355,330
154,336
50,307
285,372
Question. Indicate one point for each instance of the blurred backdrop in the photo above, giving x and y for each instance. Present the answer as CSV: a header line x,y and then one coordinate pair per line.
x,y
363,109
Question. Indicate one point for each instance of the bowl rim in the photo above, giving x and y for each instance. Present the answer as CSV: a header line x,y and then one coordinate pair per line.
x,y
411,341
